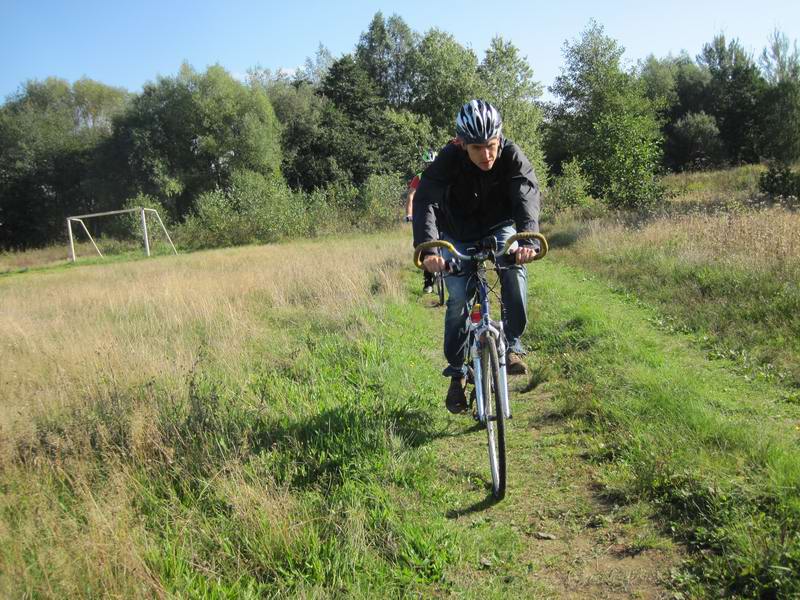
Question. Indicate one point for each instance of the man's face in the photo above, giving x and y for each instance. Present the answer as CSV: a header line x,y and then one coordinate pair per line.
x,y
483,155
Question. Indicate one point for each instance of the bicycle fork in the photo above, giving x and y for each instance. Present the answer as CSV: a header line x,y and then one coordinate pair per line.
x,y
477,375
497,330
501,356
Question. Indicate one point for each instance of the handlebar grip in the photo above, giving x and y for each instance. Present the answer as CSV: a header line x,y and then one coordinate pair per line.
x,y
428,246
529,235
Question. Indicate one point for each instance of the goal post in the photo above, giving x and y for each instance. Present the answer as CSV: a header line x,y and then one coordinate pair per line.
x,y
143,216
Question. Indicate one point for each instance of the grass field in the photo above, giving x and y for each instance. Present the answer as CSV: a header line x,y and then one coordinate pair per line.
x,y
268,421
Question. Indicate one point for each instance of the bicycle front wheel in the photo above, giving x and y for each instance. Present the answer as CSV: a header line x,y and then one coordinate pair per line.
x,y
495,418
439,283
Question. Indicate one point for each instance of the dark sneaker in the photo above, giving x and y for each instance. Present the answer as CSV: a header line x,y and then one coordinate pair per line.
x,y
514,364
456,400
428,289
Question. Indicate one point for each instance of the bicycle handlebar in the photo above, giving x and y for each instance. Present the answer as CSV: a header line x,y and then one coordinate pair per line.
x,y
522,235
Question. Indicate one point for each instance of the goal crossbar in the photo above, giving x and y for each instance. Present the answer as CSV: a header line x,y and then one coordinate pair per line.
x,y
140,209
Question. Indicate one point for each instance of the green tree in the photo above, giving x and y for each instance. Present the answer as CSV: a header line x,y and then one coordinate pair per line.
x,y
607,121
780,122
779,62
351,122
315,70
383,52
659,77
404,137
351,90
187,134
301,112
50,133
780,106
443,77
96,104
679,90
736,90
693,84
694,142
508,83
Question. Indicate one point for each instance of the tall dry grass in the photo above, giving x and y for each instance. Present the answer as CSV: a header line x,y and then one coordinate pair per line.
x,y
68,337
707,187
56,255
91,359
749,240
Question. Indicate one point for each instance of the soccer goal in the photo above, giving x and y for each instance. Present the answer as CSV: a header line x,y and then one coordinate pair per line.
x,y
140,209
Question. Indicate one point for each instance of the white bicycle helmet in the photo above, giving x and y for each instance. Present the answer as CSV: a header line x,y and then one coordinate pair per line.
x,y
478,122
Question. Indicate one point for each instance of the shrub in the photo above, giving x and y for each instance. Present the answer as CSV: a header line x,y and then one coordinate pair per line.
x,y
570,189
624,161
380,201
129,226
273,210
780,180
695,142
254,209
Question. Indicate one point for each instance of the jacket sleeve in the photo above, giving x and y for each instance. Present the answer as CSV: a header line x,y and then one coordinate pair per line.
x,y
524,193
431,191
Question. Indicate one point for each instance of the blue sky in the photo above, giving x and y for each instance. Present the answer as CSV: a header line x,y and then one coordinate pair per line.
x,y
129,43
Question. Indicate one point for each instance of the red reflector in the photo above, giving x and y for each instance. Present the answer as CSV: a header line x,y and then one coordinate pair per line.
x,y
475,315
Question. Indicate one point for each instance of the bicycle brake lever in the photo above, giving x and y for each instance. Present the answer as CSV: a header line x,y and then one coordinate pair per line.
x,y
453,266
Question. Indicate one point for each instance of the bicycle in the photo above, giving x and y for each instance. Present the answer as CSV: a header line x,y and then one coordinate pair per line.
x,y
486,346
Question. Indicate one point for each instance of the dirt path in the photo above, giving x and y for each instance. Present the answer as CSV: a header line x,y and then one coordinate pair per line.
x,y
556,534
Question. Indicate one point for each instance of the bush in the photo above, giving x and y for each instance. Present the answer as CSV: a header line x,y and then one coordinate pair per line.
x,y
258,209
272,208
380,201
780,180
624,161
254,209
570,189
695,143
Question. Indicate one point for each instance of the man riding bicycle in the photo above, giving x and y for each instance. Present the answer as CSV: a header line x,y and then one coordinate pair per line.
x,y
482,186
427,158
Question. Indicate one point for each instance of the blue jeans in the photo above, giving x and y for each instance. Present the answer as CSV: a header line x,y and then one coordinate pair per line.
x,y
460,289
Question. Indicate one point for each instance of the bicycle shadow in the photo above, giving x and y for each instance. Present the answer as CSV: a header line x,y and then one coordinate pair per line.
x,y
325,446
480,480
487,502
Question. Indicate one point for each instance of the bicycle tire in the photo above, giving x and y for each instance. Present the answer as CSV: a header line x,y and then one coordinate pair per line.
x,y
439,283
495,418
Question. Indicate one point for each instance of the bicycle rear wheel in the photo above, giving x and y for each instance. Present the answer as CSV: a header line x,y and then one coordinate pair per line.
x,y
439,284
495,419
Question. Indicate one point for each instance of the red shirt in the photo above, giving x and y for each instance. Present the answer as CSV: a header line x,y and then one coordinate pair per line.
x,y
414,183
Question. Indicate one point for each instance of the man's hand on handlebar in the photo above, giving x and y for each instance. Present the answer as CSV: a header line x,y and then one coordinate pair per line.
x,y
524,254
434,263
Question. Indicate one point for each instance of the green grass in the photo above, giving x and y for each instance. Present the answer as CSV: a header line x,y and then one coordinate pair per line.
x,y
323,463
335,432
751,316
741,180
715,452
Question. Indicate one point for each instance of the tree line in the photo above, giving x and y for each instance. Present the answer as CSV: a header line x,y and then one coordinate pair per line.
x,y
282,154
